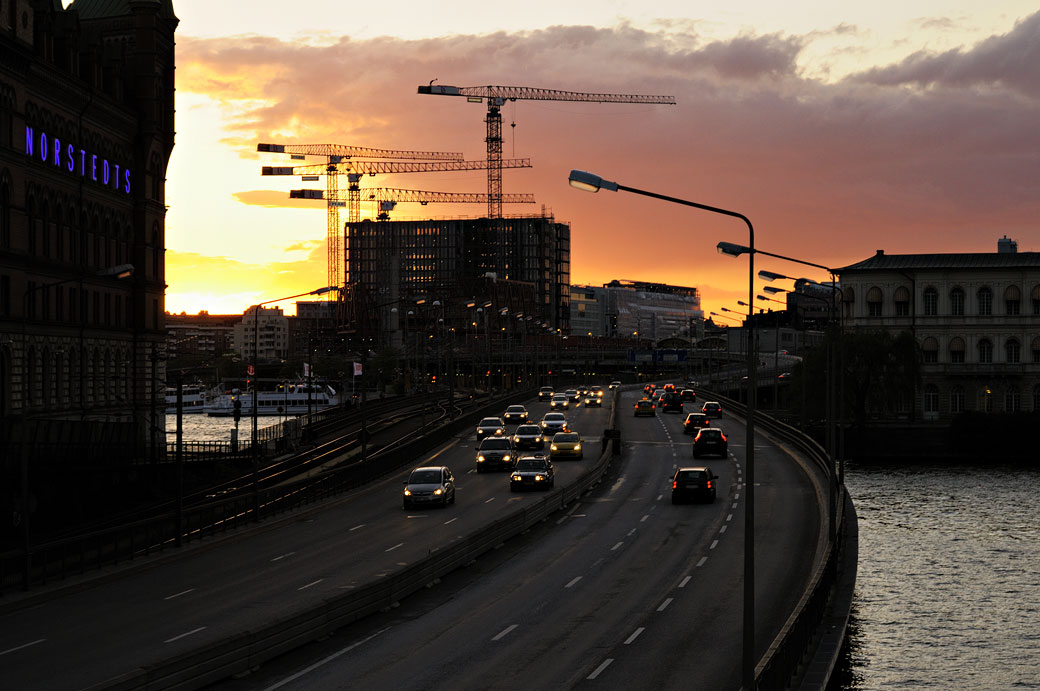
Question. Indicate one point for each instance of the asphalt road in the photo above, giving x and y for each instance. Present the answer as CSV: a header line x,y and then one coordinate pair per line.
x,y
622,588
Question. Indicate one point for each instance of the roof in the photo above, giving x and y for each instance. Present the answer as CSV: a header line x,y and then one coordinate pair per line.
x,y
94,9
980,260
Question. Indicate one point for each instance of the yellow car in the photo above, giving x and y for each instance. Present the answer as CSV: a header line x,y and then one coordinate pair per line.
x,y
565,445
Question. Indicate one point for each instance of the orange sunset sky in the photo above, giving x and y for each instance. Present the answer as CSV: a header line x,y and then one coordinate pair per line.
x,y
909,126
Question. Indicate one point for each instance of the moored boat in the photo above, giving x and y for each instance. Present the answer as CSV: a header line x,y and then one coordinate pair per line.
x,y
289,399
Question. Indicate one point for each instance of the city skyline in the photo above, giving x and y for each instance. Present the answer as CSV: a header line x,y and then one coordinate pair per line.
x,y
838,132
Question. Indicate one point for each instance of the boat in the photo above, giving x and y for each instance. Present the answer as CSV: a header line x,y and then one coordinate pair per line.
x,y
290,399
193,399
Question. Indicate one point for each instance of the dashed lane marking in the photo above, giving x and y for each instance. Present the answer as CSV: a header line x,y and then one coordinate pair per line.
x,y
683,582
504,632
20,647
599,670
176,595
664,605
635,635
183,635
573,582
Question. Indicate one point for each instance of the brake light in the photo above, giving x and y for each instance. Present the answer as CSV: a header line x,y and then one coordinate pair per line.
x,y
675,484
709,484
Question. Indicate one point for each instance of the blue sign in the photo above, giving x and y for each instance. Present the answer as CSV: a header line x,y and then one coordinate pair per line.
x,y
67,157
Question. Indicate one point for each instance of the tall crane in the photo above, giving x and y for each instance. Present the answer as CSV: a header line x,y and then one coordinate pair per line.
x,y
496,96
388,197
336,154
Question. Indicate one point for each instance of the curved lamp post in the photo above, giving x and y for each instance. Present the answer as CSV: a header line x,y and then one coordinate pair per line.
x,y
591,182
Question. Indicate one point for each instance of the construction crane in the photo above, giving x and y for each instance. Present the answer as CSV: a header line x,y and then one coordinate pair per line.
x,y
387,198
335,155
496,96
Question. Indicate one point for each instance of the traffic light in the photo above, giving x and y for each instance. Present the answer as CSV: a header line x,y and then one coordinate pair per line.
x,y
238,409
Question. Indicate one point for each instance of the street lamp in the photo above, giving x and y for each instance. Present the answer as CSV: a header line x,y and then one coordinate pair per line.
x,y
590,182
254,400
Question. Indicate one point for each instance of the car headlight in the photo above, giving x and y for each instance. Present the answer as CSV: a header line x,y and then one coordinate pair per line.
x,y
498,431
516,439
407,492
539,478
577,447
552,447
538,438
438,491
480,458
515,477
506,457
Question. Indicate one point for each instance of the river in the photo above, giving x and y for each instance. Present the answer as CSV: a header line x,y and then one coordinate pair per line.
x,y
949,578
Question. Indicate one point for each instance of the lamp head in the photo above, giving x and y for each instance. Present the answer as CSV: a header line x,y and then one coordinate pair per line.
x,y
590,182
773,290
732,249
119,271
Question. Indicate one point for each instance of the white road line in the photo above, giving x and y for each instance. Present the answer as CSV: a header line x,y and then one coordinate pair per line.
x,y
603,665
734,505
283,556
573,582
683,582
504,632
701,562
391,549
357,527
635,635
175,638
330,658
713,544
617,546
176,595
630,532
664,605
737,495
304,587
729,517
490,500
451,520
643,519
659,497
722,530
19,647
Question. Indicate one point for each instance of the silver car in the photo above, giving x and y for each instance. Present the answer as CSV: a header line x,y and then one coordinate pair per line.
x,y
429,486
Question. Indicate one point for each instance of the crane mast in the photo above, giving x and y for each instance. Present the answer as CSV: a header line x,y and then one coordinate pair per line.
x,y
496,96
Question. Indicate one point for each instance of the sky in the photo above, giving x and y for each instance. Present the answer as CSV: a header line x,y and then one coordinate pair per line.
x,y
905,126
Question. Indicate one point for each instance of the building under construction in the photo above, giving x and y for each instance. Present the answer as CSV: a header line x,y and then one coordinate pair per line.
x,y
514,269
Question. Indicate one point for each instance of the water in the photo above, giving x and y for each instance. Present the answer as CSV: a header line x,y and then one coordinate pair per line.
x,y
202,427
949,578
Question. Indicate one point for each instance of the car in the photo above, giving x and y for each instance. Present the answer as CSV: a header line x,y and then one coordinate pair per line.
x,y
688,395
656,396
694,422
573,394
532,472
560,401
545,393
597,391
671,402
613,385
712,409
644,406
593,402
515,413
648,389
583,391
565,445
784,375
696,483
429,485
669,388
552,423
709,440
528,437
490,427
495,452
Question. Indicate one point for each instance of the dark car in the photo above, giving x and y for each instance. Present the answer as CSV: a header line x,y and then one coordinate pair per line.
x,y
694,422
593,402
688,395
490,427
545,393
709,440
573,394
614,384
495,452
671,402
696,483
532,472
712,409
528,437
515,413
644,407
429,485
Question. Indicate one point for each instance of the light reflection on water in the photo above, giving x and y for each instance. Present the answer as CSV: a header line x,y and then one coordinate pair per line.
x,y
949,578
202,427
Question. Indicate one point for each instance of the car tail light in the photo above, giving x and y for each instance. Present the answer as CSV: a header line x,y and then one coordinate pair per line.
x,y
709,484
675,484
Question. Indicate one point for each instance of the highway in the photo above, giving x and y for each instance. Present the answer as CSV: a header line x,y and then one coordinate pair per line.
x,y
619,588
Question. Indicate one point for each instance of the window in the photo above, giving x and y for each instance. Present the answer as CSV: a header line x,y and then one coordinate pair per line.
x,y
957,302
930,350
957,399
985,351
1012,400
874,302
1035,347
1012,351
1012,300
985,299
1035,296
931,401
985,400
902,301
931,302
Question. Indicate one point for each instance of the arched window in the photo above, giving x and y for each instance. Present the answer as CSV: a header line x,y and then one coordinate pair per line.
x,y
957,302
985,300
930,350
1012,300
985,400
957,349
931,301
985,351
901,298
957,400
931,401
1034,295
875,302
848,296
1012,351
1012,399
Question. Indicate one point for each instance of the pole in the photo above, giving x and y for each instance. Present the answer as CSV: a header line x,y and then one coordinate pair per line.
x,y
180,457
255,402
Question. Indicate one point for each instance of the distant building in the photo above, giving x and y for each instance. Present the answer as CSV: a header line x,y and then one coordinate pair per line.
x,y
200,336
975,318
86,132
631,309
263,333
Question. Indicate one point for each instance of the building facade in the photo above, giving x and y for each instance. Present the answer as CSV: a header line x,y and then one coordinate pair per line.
x,y
974,317
86,132
641,310
263,332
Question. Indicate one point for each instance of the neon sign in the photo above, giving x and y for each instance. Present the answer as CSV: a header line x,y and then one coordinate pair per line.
x,y
66,156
